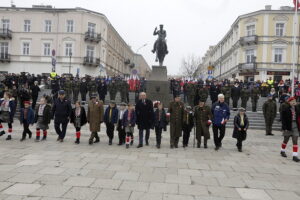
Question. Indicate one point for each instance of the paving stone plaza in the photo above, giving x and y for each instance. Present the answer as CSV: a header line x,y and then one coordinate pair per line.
x,y
55,171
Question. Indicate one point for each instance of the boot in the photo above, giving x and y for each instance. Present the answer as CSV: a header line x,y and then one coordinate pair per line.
x,y
8,137
139,146
147,143
44,138
2,133
198,145
22,139
131,142
296,159
158,146
172,146
91,140
37,138
77,141
240,149
58,138
110,141
283,154
29,135
97,138
205,146
127,146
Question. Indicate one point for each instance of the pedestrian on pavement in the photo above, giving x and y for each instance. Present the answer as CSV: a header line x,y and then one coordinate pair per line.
x,y
245,95
160,123
187,125
111,120
144,118
254,97
176,110
95,118
290,126
102,90
120,127
128,121
35,89
214,91
221,113
235,95
241,124
26,119
7,107
269,111
42,118
203,117
61,112
83,90
78,119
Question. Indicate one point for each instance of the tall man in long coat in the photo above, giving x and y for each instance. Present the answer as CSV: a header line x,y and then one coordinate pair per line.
x,y
270,111
176,110
144,118
95,118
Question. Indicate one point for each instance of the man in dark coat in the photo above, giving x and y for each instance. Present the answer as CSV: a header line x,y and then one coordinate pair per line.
x,y
61,112
176,110
270,111
214,92
235,95
102,90
145,118
35,89
83,89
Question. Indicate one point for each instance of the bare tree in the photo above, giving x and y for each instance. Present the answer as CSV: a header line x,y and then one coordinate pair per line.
x,y
190,66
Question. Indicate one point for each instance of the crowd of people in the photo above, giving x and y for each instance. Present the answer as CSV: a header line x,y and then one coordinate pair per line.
x,y
183,118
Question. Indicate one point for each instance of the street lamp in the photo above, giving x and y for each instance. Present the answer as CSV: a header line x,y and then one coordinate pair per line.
x,y
70,62
140,48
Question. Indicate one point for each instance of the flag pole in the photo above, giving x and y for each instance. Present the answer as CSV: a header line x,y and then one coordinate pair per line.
x,y
294,45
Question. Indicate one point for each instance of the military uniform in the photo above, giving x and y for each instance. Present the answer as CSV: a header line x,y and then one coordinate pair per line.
x,y
226,91
202,116
245,95
124,91
254,98
270,111
191,92
92,88
76,88
176,110
202,94
112,88
67,86
83,90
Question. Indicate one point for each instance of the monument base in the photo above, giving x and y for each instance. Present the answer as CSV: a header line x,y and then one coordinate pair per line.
x,y
158,86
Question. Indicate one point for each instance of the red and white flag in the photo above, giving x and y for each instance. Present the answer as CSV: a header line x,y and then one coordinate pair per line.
x,y
297,4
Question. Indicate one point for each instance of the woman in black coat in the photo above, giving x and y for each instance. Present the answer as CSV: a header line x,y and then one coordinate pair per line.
x,y
160,123
241,125
79,119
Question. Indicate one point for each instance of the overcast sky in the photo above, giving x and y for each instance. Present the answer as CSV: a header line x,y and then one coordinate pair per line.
x,y
191,25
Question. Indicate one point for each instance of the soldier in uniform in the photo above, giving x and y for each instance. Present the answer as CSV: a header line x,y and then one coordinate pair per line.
x,y
245,94
92,87
270,111
226,90
176,110
83,89
203,119
191,92
254,97
54,88
102,90
202,93
235,95
112,89
76,88
124,91
68,88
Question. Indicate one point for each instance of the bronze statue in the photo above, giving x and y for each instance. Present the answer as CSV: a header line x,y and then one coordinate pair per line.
x,y
160,45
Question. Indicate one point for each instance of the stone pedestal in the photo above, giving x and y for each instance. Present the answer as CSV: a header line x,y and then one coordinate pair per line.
x,y
158,86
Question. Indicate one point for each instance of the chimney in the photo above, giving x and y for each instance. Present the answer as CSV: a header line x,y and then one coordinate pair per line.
x,y
268,7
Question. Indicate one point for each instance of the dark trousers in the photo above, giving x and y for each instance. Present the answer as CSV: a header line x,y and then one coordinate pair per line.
x,y
235,101
254,105
60,128
227,101
240,138
34,99
186,137
26,130
102,97
269,124
83,96
121,133
110,127
158,132
141,135
219,133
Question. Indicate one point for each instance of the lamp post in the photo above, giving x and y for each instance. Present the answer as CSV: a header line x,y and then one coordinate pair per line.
x,y
70,62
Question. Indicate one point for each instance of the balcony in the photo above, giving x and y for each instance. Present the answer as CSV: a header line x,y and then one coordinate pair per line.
x,y
92,37
249,40
90,61
248,67
5,34
4,58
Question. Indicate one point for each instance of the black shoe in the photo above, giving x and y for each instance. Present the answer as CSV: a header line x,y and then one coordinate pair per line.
x,y
176,146
22,139
44,138
37,139
2,133
283,154
77,141
8,137
183,145
147,143
172,146
139,146
269,134
97,140
205,146
61,140
120,143
198,145
131,143
296,159
110,143
58,139
217,148
29,135
158,146
127,146
240,149
90,142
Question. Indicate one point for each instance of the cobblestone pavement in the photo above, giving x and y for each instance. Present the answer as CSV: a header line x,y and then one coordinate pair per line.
x,y
50,170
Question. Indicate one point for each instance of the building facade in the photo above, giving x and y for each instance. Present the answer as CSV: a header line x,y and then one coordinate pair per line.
x,y
75,40
142,67
258,45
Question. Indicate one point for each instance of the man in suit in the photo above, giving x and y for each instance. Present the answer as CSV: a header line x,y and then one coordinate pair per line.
x,y
145,116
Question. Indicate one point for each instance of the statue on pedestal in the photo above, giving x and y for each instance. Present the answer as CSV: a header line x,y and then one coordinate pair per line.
x,y
160,45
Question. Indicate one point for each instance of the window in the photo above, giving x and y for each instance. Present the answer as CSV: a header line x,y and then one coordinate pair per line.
x,y
90,51
26,46
48,26
250,56
46,49
279,29
91,28
250,30
27,24
5,23
278,55
68,51
4,50
70,26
